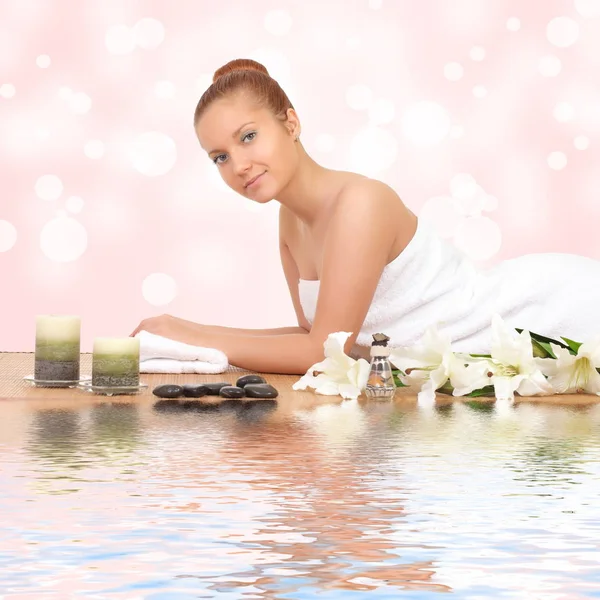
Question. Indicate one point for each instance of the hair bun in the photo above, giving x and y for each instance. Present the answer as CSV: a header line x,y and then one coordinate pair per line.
x,y
239,64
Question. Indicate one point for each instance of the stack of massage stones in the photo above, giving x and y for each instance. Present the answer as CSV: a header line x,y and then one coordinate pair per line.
x,y
247,386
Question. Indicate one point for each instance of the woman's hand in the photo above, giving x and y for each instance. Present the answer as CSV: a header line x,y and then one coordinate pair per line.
x,y
170,327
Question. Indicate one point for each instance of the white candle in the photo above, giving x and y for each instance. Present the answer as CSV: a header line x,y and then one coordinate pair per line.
x,y
116,362
128,345
57,347
57,328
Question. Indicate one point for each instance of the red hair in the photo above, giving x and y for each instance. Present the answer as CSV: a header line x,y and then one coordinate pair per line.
x,y
244,75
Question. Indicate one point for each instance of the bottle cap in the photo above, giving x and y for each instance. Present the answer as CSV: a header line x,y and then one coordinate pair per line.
x,y
379,345
380,339
380,351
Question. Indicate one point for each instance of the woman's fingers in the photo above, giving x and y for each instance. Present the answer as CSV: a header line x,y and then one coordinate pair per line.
x,y
151,325
137,329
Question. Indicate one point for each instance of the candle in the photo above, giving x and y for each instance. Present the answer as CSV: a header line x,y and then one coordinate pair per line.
x,y
116,362
57,348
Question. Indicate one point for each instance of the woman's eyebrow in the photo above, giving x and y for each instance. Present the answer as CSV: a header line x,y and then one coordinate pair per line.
x,y
234,134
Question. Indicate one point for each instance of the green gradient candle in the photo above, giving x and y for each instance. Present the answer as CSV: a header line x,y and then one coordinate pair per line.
x,y
57,348
116,362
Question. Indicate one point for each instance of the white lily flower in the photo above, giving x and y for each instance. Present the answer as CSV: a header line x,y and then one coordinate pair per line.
x,y
338,374
427,364
468,375
432,363
513,366
570,373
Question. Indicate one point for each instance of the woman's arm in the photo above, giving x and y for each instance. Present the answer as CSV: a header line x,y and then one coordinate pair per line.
x,y
360,236
290,270
219,329
359,240
178,329
167,324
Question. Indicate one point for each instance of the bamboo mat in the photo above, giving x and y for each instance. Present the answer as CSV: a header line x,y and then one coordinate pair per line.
x,y
14,366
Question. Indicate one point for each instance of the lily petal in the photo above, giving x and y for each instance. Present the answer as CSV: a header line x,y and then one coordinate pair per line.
x,y
327,388
504,347
591,349
349,391
358,374
412,358
535,385
426,397
334,346
548,366
466,379
593,385
338,373
438,377
504,387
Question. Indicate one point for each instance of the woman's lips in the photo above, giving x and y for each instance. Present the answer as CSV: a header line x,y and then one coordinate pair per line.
x,y
254,182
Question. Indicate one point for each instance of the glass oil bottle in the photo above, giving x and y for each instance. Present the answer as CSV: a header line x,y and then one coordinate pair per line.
x,y
380,384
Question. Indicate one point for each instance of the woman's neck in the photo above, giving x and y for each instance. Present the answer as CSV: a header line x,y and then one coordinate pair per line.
x,y
308,193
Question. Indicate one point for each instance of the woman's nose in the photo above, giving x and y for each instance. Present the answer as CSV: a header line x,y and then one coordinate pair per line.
x,y
241,164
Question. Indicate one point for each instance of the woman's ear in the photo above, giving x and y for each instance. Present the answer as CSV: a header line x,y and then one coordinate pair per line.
x,y
293,123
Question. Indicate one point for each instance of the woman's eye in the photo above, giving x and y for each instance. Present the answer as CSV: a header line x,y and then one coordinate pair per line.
x,y
248,137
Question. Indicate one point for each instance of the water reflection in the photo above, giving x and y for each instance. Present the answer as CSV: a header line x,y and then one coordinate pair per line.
x,y
246,412
114,429
267,501
55,438
336,520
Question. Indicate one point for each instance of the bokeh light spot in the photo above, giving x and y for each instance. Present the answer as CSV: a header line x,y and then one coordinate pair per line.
x,y
153,153
562,32
8,236
513,24
94,149
148,33
43,61
48,187
373,150
453,71
159,289
119,40
581,142
557,160
381,111
74,204
425,123
63,239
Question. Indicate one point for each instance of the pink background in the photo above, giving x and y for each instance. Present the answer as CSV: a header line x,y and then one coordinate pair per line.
x,y
484,115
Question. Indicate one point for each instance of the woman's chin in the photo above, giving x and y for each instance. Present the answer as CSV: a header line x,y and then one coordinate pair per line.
x,y
260,196
263,199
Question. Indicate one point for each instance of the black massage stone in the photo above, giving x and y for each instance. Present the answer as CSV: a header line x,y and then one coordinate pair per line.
x,y
260,390
215,388
168,390
232,391
246,379
194,391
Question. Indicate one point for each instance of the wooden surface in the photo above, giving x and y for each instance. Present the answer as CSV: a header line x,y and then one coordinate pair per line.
x,y
15,366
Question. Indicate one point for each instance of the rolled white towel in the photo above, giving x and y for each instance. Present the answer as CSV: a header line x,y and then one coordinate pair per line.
x,y
159,354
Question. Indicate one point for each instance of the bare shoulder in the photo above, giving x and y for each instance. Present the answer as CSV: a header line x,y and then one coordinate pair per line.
x,y
364,232
363,190
363,203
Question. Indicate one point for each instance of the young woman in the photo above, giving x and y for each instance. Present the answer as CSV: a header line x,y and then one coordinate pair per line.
x,y
355,258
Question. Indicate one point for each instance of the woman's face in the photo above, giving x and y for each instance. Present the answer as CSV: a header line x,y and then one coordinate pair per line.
x,y
253,150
